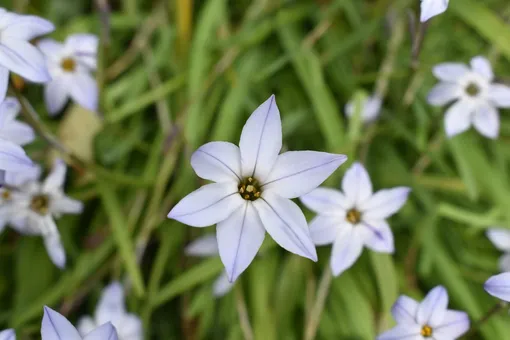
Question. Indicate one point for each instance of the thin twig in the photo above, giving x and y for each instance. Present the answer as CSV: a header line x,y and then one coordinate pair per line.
x,y
320,301
496,309
242,312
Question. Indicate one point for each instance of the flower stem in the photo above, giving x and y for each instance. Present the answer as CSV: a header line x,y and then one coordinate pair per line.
x,y
318,306
495,310
244,320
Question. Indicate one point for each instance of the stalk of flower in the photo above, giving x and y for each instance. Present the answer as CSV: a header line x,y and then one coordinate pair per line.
x,y
254,185
354,218
431,8
111,308
476,97
16,53
70,65
430,319
500,237
57,327
8,334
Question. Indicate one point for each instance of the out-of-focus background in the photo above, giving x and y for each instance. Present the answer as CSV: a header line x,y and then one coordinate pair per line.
x,y
175,74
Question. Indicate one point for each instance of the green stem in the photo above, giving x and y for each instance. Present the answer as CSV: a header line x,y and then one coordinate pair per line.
x,y
318,306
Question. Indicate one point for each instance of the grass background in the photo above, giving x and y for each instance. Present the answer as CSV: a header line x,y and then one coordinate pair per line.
x,y
176,74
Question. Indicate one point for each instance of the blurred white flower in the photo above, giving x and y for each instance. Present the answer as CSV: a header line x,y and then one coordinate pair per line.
x,y
13,159
37,204
429,319
56,327
371,107
254,185
431,8
111,308
16,53
499,286
355,218
8,334
500,237
12,129
207,246
475,95
70,65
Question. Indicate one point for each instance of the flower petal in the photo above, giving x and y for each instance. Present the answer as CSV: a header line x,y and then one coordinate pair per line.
x,y
50,48
66,205
208,205
378,236
55,326
111,304
55,249
504,263
4,82
24,59
346,250
486,121
296,173
402,332
55,180
19,133
239,239
25,27
129,327
453,326
499,94
222,285
483,67
203,246
326,201
55,96
499,286
86,325
104,332
370,111
433,308
13,157
356,184
384,203
443,93
286,224
500,237
324,229
84,46
450,72
217,162
261,140
8,334
404,310
431,8
17,179
83,90
458,118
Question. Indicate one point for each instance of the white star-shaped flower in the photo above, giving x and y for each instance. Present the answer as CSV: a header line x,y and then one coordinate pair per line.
x,y
355,218
254,185
207,246
16,53
70,65
10,128
370,110
56,327
500,237
475,95
431,8
499,286
429,319
37,204
111,308
8,334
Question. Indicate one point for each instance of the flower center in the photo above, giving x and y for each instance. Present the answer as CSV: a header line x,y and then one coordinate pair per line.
x,y
40,204
426,331
6,195
68,64
472,90
353,216
249,189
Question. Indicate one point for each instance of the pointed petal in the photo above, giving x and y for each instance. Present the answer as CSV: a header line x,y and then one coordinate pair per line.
x,y
55,96
326,201
404,310
239,239
13,157
8,334
208,205
26,27
17,179
55,249
458,118
222,285
402,332
19,133
356,184
453,326
433,308
500,237
104,332
384,203
482,66
261,140
499,94
217,162
286,224
55,180
129,327
111,305
504,262
84,46
49,47
203,246
4,82
443,93
67,205
86,325
486,121
324,229
499,286
346,250
55,326
24,59
450,72
296,173
378,236
83,90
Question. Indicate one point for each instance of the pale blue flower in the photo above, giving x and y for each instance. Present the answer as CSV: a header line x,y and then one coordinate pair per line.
x,y
8,334
431,8
499,286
